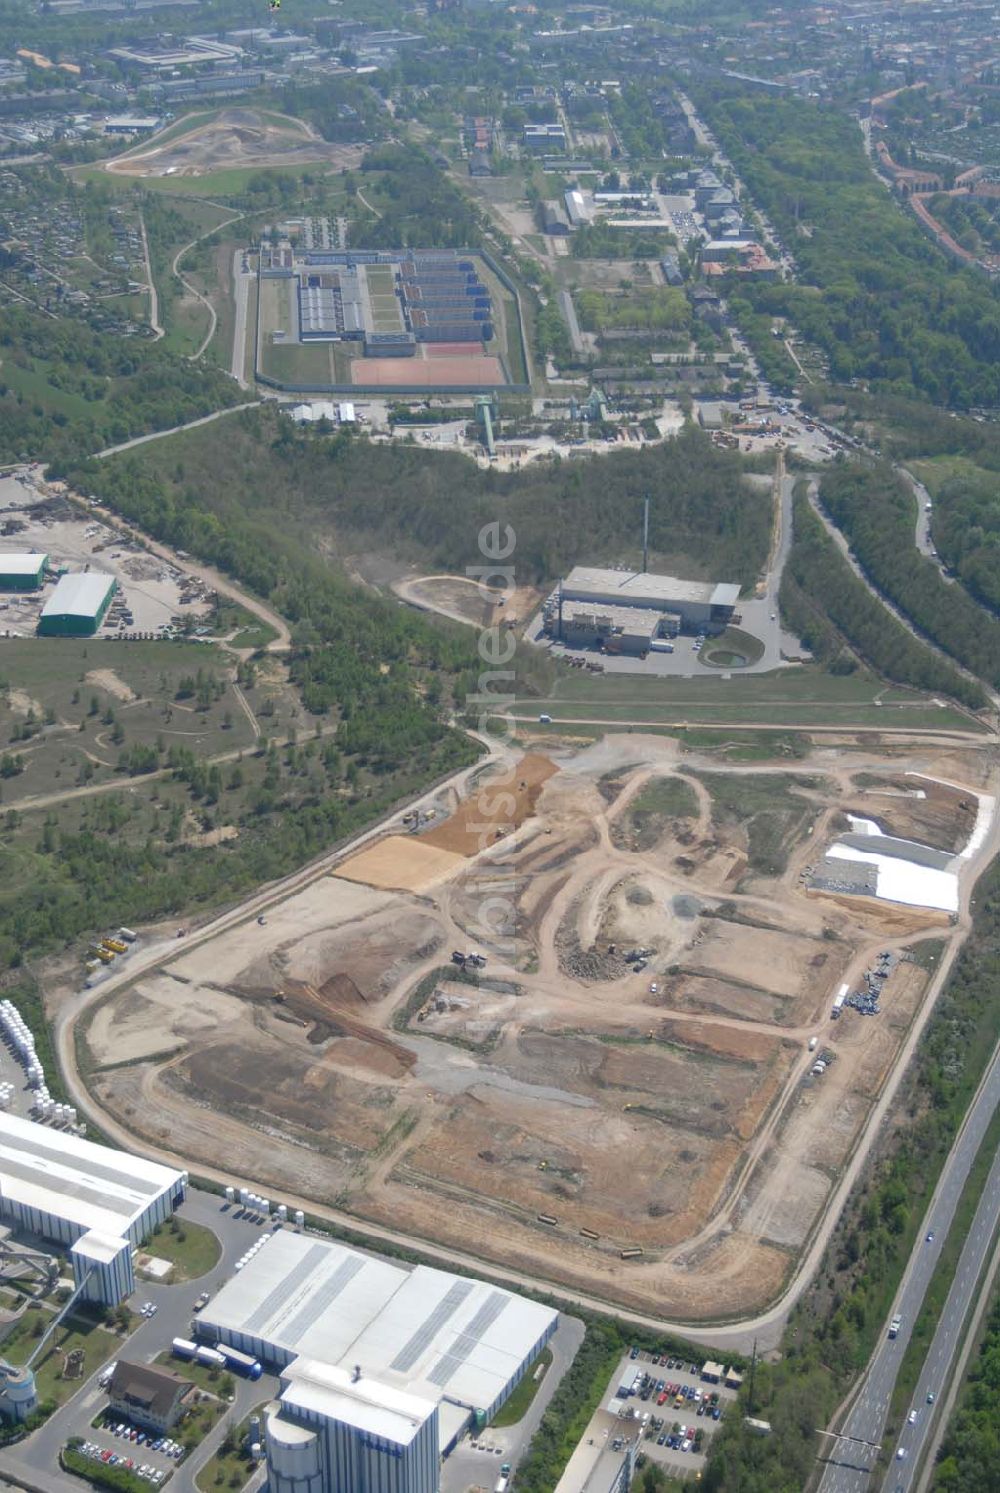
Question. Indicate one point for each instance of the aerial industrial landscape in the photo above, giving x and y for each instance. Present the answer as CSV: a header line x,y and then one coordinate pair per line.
x,y
499,774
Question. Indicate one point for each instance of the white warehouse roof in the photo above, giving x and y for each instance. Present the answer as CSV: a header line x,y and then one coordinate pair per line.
x,y
423,1332
638,588
79,595
93,1187
21,564
378,1408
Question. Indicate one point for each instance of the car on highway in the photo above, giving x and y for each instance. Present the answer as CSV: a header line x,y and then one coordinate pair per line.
x,y
930,1238
911,1419
930,1397
900,1453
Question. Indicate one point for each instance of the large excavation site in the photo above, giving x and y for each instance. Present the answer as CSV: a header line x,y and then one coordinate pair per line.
x,y
690,979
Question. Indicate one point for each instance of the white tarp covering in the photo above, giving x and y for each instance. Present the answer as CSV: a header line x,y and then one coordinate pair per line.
x,y
905,881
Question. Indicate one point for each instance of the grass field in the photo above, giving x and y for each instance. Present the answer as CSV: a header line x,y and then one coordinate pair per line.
x,y
230,1468
77,1332
766,697
210,1378
804,696
192,1249
33,383
938,470
517,1407
231,183
298,362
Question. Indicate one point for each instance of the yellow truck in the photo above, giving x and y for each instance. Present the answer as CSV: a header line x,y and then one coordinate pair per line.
x,y
115,945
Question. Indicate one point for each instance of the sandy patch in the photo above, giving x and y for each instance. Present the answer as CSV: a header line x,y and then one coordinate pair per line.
x,y
327,903
499,804
21,703
157,1016
404,863
109,681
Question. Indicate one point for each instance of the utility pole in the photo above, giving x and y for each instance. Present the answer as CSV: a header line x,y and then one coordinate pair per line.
x,y
753,1375
645,535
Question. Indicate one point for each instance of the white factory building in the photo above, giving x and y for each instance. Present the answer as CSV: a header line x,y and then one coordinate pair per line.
x,y
98,1201
382,1368
629,611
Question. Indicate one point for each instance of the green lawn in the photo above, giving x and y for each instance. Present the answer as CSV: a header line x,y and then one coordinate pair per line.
x,y
793,697
938,470
76,1332
517,1406
33,383
733,649
212,1380
232,1465
305,363
192,1249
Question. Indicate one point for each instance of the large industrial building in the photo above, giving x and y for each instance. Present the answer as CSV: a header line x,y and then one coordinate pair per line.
x,y
98,1201
77,606
629,611
22,572
382,1368
390,300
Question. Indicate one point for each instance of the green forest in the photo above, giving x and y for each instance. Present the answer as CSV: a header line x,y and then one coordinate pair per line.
x,y
828,606
970,1454
872,292
877,511
67,390
419,207
426,506
383,675
832,1332
967,531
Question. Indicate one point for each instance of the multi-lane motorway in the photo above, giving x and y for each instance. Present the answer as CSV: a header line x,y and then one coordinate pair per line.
x,y
851,1465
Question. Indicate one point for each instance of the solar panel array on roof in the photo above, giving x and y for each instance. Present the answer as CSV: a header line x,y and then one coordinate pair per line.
x,y
422,1330
431,1326
285,1288
449,1363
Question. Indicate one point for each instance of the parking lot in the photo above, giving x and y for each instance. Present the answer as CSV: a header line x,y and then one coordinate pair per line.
x,y
153,597
150,1457
695,1406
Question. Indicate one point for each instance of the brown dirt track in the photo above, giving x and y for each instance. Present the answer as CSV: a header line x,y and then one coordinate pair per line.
x,y
476,370
459,1107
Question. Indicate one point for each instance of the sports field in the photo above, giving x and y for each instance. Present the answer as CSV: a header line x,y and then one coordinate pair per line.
x,y
471,369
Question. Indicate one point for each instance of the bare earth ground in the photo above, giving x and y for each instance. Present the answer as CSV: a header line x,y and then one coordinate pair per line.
x,y
236,138
336,1050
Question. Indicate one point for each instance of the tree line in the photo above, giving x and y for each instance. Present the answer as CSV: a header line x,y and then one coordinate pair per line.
x,y
969,1458
877,511
829,606
429,507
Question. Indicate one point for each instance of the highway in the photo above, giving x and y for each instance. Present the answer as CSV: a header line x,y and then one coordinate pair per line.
x,y
918,1440
850,1467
